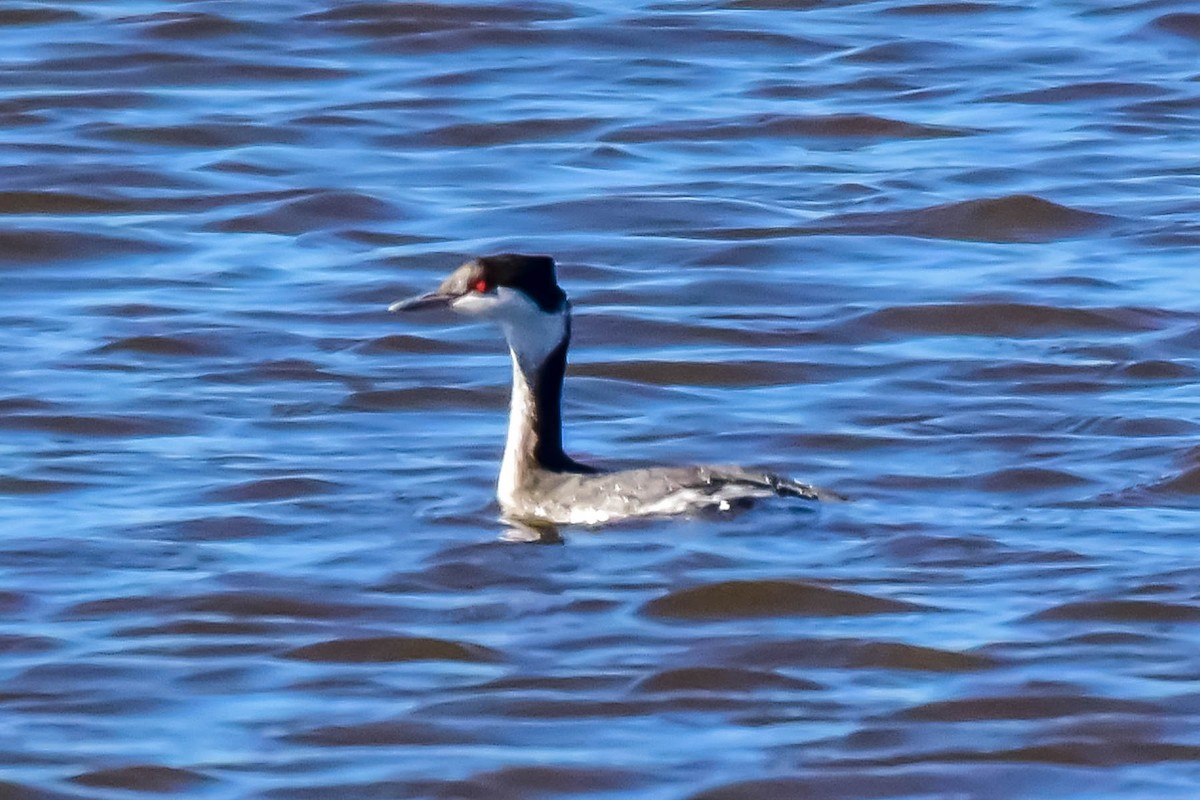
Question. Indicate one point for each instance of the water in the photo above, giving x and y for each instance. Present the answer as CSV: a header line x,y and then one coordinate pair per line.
x,y
937,256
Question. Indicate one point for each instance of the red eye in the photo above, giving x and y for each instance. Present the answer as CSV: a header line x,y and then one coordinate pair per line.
x,y
481,285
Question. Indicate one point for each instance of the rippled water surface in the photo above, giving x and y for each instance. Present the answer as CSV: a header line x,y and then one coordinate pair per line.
x,y
938,256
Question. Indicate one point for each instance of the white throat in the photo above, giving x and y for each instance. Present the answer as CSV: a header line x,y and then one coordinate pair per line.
x,y
531,333
519,442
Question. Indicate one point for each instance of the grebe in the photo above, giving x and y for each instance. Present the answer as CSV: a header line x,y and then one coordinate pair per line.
x,y
539,483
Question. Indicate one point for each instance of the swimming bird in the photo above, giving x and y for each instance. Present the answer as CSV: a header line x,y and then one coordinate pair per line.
x,y
539,483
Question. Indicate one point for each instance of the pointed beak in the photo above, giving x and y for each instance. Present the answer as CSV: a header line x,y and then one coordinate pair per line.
x,y
431,300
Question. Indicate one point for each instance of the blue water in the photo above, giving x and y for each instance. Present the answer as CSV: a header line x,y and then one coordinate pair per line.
x,y
936,256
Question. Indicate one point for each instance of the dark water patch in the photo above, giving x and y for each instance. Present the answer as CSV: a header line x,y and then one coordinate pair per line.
x,y
203,628
239,166
15,485
27,246
538,708
320,211
856,654
329,121
288,370
372,790
676,27
1066,387
384,238
946,9
230,528
188,346
1183,24
508,783
613,330
721,679
683,373
156,68
22,119
399,732
576,684
494,134
474,39
185,25
115,60
598,157
1086,92
406,343
835,126
1015,218
395,105
899,655
769,598
50,706
548,781
839,442
224,681
75,677
96,426
906,52
268,490
182,202
286,73
456,78
57,202
871,85
653,214
1159,370
15,644
136,310
98,100
245,603
406,18
17,15
964,551
1137,611
222,651
1084,282
394,649
293,370
781,5
423,398
457,575
1051,377
1186,482
118,606
13,602
1106,752
199,135
858,785
1010,319
143,778
17,791
1025,707
1029,479
10,405
1012,219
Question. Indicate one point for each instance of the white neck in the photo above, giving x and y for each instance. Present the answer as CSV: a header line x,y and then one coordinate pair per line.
x,y
521,439
535,414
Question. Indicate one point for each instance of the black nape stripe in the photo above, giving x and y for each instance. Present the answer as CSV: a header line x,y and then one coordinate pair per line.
x,y
533,275
547,400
